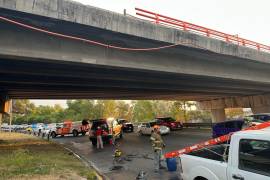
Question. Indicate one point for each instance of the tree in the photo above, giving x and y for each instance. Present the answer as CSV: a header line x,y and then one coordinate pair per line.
x,y
80,109
234,112
22,107
143,111
109,108
123,110
199,116
177,110
162,108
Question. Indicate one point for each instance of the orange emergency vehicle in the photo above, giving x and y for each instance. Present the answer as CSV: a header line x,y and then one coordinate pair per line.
x,y
70,127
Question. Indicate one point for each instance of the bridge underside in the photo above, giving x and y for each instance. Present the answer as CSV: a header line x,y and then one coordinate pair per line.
x,y
35,65
45,79
38,66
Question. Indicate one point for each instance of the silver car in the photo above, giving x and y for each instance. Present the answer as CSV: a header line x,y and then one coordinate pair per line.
x,y
147,128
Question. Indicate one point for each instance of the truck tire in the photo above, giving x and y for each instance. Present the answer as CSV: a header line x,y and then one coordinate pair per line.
x,y
121,135
200,178
53,134
75,133
83,133
94,142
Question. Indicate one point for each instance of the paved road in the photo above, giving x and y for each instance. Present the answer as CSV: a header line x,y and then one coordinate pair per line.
x,y
138,151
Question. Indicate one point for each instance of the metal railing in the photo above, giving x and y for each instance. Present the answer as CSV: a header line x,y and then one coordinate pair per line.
x,y
186,26
197,125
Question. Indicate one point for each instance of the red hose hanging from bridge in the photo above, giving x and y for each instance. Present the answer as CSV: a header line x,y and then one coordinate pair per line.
x,y
85,40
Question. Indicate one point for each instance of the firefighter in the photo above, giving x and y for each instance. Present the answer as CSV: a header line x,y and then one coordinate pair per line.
x,y
158,145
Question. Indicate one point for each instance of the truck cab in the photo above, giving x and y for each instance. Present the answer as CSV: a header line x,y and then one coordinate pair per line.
x,y
247,157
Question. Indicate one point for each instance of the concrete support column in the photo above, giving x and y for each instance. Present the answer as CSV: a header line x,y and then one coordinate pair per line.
x,y
260,109
218,115
3,99
1,116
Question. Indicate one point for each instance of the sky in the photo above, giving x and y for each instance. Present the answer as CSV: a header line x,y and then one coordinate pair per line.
x,y
248,19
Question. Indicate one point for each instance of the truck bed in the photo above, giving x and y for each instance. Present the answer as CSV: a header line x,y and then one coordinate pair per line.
x,y
213,152
206,163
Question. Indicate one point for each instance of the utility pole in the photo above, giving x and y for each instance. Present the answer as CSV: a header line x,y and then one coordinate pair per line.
x,y
185,112
10,115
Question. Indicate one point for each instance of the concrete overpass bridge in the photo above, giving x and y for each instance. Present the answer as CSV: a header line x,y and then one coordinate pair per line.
x,y
60,49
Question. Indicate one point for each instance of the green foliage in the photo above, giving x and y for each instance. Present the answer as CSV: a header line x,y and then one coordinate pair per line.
x,y
77,110
143,111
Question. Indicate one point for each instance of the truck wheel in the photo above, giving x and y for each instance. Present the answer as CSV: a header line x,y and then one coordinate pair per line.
x,y
200,178
83,133
53,134
121,135
75,133
94,143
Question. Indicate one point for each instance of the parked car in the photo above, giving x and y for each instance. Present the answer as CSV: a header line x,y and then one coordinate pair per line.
x,y
169,122
111,130
247,157
69,127
48,128
226,127
147,128
256,119
37,128
127,126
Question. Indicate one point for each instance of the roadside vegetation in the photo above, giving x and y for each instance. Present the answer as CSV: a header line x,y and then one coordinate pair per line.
x,y
26,157
25,112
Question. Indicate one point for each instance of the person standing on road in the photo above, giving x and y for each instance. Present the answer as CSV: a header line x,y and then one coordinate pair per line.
x,y
99,138
158,145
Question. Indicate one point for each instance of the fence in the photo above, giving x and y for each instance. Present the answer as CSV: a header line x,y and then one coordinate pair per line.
x,y
186,26
198,125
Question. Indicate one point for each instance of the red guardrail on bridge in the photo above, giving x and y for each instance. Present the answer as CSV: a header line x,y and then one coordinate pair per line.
x,y
168,21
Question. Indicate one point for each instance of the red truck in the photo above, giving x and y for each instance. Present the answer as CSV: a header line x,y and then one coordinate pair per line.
x,y
70,127
169,122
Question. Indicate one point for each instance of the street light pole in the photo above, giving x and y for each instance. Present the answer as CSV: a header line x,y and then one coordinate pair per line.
x,y
10,115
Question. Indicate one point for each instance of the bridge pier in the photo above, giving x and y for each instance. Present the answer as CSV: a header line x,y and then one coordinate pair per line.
x,y
4,106
258,104
260,109
218,115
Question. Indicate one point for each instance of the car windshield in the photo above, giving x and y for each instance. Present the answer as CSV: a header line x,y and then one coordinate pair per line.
x,y
122,121
152,124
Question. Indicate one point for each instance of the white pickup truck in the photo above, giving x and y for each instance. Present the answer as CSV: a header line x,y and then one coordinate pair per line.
x,y
247,157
